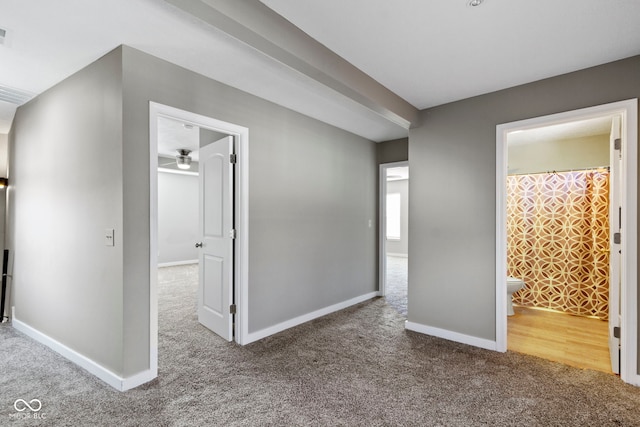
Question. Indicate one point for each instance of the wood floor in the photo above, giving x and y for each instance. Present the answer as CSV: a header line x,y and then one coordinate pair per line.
x,y
577,341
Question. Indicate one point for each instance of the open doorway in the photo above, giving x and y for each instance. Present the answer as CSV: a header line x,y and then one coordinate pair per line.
x,y
184,259
394,234
178,146
559,196
183,233
581,290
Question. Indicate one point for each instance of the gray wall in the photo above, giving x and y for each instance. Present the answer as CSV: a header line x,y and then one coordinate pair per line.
x,y
452,207
4,153
401,246
177,217
396,150
66,189
312,191
559,155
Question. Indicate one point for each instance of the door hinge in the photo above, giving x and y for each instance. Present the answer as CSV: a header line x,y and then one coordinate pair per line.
x,y
619,217
232,233
617,144
233,158
232,309
617,238
616,331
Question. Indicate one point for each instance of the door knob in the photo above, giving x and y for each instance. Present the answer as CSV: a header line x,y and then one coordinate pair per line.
x,y
199,245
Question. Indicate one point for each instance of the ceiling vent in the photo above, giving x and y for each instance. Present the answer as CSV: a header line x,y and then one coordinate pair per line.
x,y
14,96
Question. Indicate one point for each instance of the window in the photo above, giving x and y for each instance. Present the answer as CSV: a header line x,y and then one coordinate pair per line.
x,y
393,216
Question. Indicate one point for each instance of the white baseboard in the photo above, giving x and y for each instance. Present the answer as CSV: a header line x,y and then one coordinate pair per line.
x,y
263,333
138,379
451,336
176,263
398,255
114,380
632,379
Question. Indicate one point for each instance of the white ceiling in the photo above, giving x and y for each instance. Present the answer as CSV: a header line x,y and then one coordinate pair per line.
x,y
427,52
397,174
437,51
570,130
175,135
48,43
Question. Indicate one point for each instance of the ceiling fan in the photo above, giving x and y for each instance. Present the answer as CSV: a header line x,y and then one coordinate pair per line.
x,y
183,159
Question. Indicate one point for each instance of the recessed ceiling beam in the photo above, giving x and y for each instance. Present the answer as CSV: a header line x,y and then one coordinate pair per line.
x,y
259,27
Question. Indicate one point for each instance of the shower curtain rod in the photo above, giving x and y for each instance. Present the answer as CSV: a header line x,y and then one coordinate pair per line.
x,y
608,168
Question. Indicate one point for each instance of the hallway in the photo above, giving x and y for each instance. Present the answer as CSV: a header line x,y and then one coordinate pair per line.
x,y
397,283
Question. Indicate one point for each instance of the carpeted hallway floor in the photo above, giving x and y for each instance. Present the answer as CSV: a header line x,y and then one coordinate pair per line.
x,y
396,292
357,367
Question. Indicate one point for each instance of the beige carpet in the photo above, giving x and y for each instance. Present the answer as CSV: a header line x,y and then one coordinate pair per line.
x,y
358,367
396,292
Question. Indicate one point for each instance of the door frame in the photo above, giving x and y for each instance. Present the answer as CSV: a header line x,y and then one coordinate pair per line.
x,y
241,244
628,111
382,224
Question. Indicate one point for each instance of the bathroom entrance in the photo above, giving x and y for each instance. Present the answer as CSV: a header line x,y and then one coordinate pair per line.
x,y
562,225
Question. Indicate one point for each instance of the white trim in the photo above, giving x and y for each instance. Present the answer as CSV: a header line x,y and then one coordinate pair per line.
x,y
451,336
263,333
628,110
111,378
154,113
177,263
382,224
629,270
501,241
398,255
242,238
241,247
177,172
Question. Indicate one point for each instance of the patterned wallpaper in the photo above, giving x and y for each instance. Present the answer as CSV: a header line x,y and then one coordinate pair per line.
x,y
558,240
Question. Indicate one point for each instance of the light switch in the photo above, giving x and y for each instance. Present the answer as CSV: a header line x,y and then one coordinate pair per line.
x,y
109,237
370,223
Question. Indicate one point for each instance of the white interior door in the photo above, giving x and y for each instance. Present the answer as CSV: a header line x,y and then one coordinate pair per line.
x,y
215,287
615,232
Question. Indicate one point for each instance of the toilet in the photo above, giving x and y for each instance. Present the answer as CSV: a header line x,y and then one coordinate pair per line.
x,y
513,285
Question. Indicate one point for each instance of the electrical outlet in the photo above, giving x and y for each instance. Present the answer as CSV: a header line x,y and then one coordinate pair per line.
x,y
109,237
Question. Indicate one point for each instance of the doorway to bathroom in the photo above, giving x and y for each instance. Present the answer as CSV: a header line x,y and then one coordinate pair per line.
x,y
394,234
566,227
560,188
